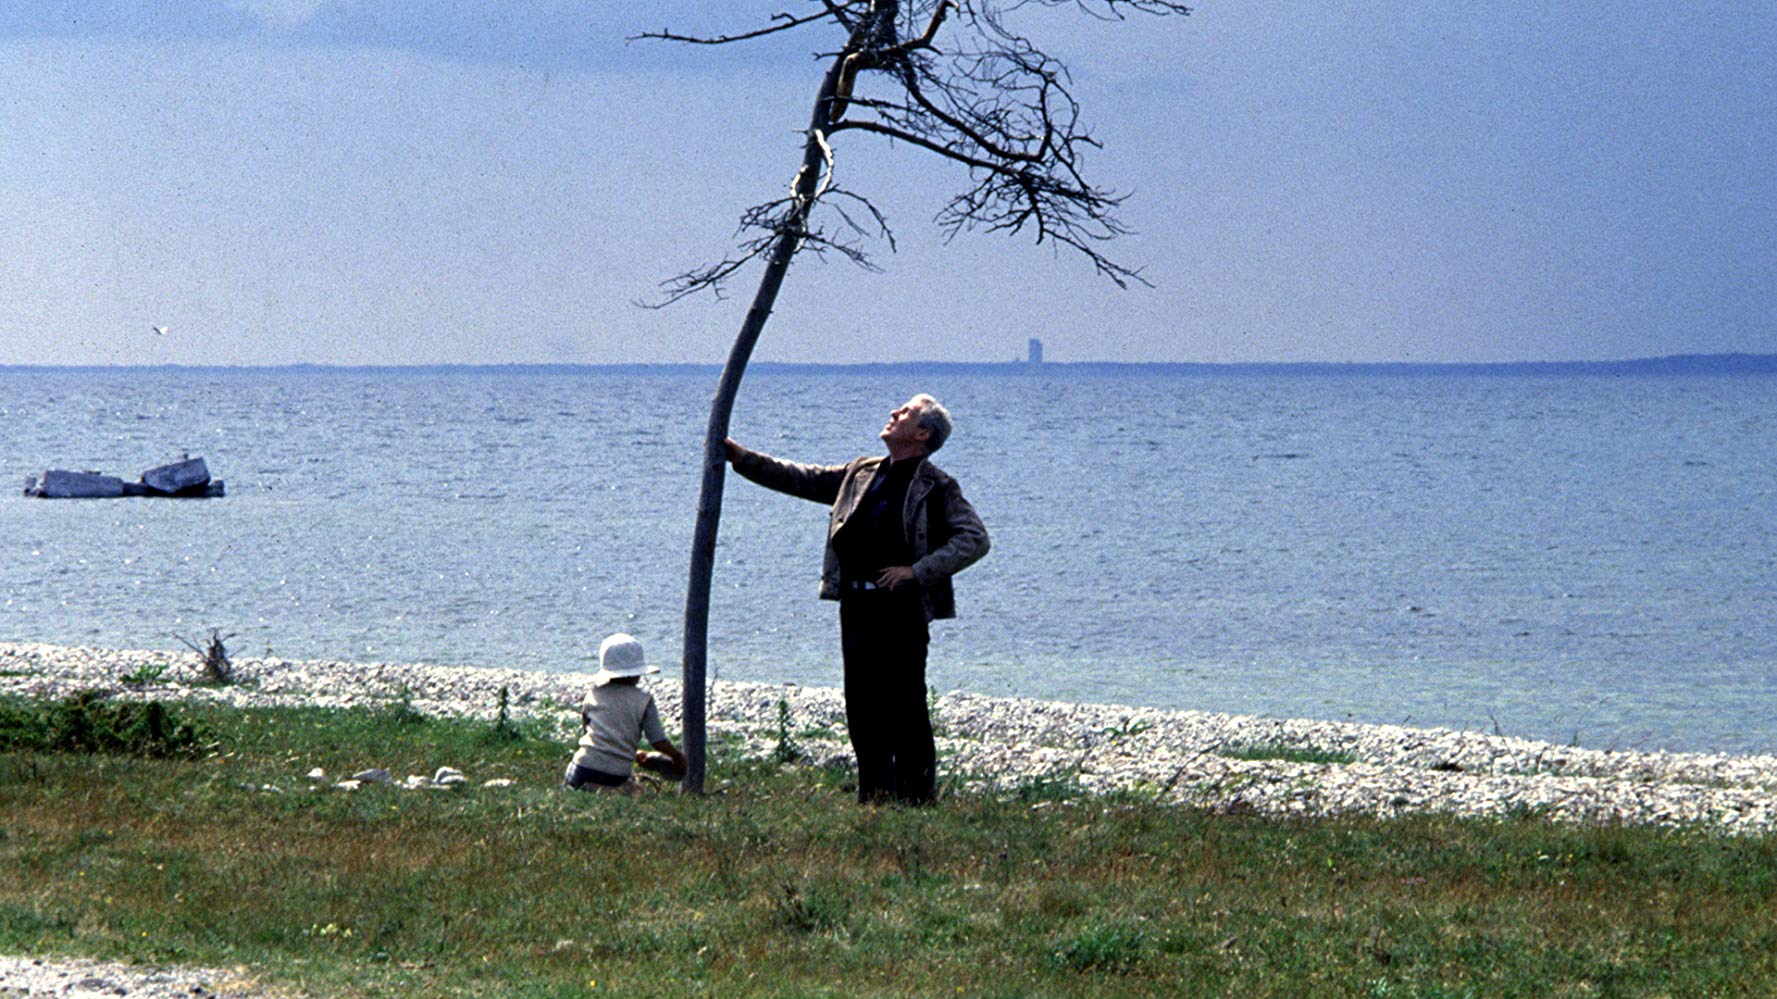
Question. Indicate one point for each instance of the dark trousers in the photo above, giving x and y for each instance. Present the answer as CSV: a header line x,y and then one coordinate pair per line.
x,y
883,636
579,776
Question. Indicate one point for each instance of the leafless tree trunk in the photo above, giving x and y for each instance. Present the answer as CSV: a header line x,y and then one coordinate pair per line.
x,y
784,244
990,102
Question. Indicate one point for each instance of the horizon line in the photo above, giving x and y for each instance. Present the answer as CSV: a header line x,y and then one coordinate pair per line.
x,y
1734,361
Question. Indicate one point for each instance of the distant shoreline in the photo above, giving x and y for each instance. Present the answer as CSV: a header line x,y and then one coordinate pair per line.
x,y
1676,364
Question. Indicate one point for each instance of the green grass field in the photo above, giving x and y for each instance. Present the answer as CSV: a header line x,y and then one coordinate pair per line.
x,y
778,884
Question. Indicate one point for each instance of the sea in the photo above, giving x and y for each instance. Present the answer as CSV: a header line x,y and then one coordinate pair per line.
x,y
1581,554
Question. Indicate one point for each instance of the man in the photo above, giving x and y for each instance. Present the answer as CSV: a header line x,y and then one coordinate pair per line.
x,y
900,528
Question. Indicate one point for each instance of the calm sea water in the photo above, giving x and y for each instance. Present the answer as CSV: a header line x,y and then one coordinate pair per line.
x,y
1583,558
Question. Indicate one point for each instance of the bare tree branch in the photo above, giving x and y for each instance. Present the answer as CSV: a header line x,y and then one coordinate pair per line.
x,y
1108,10
953,78
921,141
785,23
871,58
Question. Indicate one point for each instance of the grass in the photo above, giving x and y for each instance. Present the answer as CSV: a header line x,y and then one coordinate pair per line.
x,y
145,674
89,723
778,884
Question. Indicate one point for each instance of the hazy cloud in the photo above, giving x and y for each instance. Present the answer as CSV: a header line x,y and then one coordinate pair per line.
x,y
529,34
129,19
379,181
538,35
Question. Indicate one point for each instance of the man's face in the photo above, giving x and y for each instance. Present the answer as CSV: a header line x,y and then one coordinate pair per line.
x,y
903,425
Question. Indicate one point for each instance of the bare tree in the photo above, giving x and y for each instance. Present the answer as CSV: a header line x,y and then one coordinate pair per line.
x,y
951,77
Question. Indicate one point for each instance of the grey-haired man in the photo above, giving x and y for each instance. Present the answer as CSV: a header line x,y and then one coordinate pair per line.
x,y
899,529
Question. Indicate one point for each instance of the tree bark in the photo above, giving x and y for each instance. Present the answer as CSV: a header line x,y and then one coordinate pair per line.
x,y
709,501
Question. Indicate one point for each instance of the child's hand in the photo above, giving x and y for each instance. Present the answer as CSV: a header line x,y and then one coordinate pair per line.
x,y
662,764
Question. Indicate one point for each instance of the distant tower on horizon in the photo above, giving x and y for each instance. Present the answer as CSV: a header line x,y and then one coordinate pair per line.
x,y
1036,351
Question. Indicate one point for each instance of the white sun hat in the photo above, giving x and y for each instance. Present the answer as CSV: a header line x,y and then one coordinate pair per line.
x,y
621,655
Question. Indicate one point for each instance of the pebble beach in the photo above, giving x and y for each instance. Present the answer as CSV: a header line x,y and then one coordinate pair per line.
x,y
1218,762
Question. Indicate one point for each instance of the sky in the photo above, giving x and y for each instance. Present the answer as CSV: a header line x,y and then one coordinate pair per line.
x,y
450,182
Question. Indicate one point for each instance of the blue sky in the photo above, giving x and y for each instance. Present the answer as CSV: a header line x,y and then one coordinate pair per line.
x,y
381,182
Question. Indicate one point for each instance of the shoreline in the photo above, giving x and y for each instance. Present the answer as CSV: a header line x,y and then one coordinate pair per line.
x,y
1177,756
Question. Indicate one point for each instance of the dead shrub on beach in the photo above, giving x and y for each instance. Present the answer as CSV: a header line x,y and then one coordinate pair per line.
x,y
217,668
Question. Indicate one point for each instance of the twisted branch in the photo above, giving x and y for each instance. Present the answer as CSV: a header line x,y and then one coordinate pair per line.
x,y
952,78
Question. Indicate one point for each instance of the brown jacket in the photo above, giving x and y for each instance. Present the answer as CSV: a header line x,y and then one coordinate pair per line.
x,y
942,546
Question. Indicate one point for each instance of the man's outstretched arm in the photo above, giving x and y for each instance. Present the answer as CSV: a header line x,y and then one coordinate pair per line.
x,y
819,483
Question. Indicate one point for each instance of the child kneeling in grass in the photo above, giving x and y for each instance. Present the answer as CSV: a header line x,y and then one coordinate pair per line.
x,y
616,714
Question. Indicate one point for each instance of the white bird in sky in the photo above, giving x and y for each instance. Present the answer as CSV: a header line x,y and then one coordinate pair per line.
x,y
162,330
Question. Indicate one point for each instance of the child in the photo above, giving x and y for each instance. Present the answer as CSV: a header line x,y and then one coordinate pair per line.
x,y
616,714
